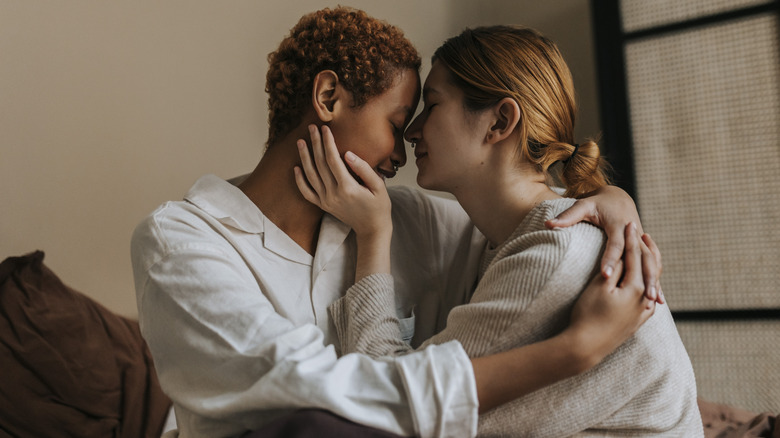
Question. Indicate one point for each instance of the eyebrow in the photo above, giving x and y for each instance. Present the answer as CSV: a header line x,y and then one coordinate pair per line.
x,y
428,90
406,110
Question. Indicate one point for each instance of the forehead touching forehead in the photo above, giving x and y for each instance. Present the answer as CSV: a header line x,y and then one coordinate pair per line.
x,y
404,93
365,53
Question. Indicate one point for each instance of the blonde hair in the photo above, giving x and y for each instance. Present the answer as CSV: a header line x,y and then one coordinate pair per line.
x,y
495,62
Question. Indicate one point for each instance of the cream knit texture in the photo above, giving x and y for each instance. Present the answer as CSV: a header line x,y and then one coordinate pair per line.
x,y
526,290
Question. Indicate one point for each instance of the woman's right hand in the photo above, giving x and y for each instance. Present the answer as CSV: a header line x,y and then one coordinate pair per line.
x,y
611,310
365,208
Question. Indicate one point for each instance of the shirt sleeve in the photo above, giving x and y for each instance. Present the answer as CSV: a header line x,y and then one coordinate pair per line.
x,y
524,296
223,354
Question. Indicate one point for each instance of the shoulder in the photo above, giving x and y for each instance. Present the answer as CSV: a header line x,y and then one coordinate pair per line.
x,y
532,232
542,251
171,227
413,208
417,202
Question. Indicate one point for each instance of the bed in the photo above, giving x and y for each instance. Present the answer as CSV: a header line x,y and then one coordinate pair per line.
x,y
71,367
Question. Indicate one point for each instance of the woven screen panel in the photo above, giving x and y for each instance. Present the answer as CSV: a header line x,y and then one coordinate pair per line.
x,y
735,362
705,114
643,14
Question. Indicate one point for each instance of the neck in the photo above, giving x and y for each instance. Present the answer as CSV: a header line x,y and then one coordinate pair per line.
x,y
501,198
271,186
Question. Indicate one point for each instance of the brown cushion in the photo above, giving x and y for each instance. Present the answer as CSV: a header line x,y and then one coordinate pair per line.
x,y
70,367
725,421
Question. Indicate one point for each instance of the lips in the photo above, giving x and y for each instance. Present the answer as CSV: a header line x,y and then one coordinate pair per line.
x,y
384,173
420,152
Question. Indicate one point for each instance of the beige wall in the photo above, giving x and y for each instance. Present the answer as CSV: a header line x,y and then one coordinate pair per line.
x,y
108,109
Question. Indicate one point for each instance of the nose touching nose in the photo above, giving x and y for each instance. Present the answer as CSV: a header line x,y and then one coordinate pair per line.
x,y
398,157
412,133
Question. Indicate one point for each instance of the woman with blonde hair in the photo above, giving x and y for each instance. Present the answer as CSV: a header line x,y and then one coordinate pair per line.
x,y
233,282
496,128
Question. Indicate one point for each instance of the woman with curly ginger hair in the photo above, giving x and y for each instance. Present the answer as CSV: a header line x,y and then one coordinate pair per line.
x,y
233,283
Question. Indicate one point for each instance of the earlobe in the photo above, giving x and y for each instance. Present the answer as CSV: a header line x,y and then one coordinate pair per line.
x,y
506,117
325,95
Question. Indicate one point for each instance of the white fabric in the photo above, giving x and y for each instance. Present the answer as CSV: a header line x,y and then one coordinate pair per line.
x,y
235,314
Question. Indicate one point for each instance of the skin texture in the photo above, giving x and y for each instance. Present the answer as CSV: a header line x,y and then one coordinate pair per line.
x,y
608,312
285,197
374,131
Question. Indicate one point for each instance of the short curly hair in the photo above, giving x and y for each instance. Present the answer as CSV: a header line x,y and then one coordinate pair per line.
x,y
363,51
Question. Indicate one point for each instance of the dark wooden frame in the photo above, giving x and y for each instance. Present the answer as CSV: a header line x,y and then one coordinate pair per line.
x,y
615,110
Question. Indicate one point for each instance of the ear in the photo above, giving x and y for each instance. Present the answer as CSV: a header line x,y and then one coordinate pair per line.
x,y
505,117
325,93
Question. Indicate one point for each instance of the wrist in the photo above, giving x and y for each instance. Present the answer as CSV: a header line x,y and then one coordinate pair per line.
x,y
375,239
581,352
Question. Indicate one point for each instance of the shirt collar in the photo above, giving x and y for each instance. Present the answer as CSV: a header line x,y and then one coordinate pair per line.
x,y
231,207
226,203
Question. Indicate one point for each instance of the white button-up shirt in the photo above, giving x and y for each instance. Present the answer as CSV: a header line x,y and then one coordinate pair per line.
x,y
235,314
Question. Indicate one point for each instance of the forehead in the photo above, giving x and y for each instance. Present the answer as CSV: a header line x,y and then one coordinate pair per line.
x,y
401,96
438,81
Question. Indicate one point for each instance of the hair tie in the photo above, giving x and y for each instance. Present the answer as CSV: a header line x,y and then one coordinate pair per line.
x,y
576,148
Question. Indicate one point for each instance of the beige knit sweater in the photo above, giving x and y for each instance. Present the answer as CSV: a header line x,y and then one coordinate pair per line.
x,y
526,290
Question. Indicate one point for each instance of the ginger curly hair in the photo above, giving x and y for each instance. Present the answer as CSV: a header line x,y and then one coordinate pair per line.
x,y
364,52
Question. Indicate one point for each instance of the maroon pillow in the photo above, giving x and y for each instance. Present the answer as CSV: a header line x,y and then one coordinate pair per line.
x,y
70,367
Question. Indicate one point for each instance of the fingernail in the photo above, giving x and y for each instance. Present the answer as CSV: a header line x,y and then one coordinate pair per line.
x,y
663,297
301,144
652,293
608,271
349,156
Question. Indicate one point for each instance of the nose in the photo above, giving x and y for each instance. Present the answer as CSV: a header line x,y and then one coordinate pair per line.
x,y
413,132
398,156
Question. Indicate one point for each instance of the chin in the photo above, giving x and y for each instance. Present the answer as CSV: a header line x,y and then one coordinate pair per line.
x,y
427,184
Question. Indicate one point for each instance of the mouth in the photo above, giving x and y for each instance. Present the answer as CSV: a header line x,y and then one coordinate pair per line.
x,y
418,154
384,173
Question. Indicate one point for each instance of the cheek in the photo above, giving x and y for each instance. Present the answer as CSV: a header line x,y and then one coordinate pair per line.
x,y
346,139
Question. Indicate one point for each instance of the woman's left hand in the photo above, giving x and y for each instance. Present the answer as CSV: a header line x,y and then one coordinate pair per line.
x,y
365,208
611,209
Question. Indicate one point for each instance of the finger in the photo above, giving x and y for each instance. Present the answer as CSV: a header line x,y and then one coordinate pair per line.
x,y
649,272
333,159
305,189
582,210
320,162
312,176
649,306
616,276
633,260
654,249
365,172
613,251
659,264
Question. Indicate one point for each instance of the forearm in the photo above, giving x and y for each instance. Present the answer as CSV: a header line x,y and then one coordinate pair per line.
x,y
512,374
373,253
365,319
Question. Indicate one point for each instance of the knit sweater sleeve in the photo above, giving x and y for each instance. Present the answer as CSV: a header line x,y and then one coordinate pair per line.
x,y
365,318
525,295
366,322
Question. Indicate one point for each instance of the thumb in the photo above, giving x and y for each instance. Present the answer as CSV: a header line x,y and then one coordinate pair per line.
x,y
364,171
580,211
